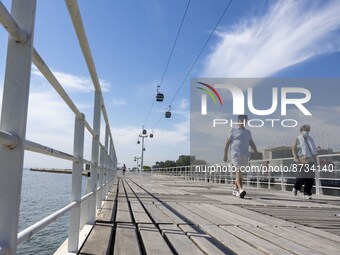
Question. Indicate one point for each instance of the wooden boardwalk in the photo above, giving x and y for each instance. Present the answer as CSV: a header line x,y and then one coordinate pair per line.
x,y
148,215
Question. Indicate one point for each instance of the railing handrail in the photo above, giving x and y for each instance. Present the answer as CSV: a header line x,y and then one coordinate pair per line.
x,y
190,173
250,161
15,142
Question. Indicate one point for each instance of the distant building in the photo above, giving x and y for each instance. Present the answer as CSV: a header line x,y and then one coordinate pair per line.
x,y
278,152
192,158
286,152
324,151
258,156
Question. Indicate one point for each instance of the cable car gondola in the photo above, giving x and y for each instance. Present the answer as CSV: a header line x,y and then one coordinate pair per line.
x,y
159,96
168,113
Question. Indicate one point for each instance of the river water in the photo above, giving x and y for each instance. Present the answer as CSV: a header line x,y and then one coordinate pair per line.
x,y
42,194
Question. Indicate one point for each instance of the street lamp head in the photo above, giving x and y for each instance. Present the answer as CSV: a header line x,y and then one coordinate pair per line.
x,y
144,132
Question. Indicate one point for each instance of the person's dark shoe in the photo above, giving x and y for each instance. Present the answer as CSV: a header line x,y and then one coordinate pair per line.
x,y
242,193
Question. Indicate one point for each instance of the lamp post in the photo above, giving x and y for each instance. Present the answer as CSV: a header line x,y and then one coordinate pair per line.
x,y
137,158
143,135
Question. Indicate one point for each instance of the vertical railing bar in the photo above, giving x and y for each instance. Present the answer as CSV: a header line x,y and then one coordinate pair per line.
x,y
106,163
100,181
77,169
317,179
14,120
94,156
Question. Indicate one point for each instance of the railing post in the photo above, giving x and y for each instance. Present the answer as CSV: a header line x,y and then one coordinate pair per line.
x,y
100,183
282,183
269,181
14,119
94,157
77,169
248,179
317,178
114,160
107,162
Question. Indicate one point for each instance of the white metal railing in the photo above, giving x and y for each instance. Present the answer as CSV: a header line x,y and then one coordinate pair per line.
x,y
20,55
329,171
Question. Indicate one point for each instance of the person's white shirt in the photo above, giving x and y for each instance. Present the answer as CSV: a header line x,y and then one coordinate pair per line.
x,y
240,139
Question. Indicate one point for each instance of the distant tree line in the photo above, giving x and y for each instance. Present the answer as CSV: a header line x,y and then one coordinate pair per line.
x,y
181,161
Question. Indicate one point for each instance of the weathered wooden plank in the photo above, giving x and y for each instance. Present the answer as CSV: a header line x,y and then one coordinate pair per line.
x,y
268,220
121,189
108,205
157,215
296,203
322,245
129,192
205,242
321,233
228,199
231,241
216,218
179,242
153,241
111,196
178,219
233,217
191,217
256,241
139,213
280,241
135,188
106,212
99,240
126,240
205,213
123,211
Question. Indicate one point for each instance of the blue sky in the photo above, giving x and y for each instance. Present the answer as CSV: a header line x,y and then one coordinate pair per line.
x,y
131,41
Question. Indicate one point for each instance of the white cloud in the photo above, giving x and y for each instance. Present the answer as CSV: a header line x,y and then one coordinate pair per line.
x,y
166,144
119,101
50,122
291,32
73,82
183,104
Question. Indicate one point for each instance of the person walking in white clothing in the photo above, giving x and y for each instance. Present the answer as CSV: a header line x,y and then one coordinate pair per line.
x,y
305,155
239,140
